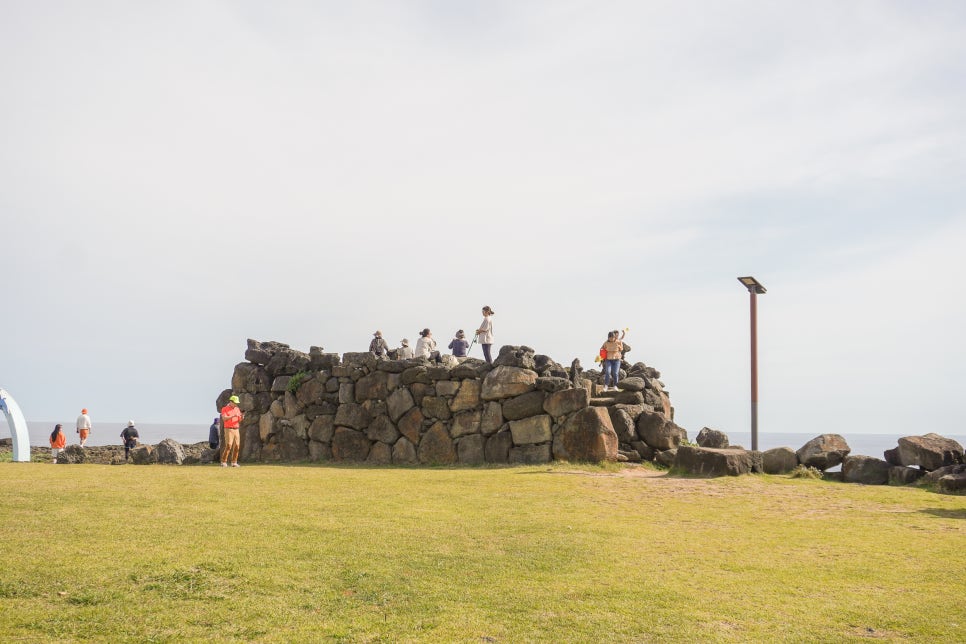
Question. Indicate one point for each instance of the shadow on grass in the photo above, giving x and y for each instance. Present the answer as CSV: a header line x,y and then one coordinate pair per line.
x,y
943,513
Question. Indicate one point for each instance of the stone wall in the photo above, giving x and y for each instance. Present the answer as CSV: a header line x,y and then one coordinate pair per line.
x,y
525,408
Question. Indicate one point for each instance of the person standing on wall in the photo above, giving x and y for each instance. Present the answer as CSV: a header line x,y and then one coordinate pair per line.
x,y
129,436
231,417
58,441
83,427
485,334
614,349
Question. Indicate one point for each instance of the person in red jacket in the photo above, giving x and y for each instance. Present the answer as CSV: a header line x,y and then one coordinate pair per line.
x,y
231,417
58,440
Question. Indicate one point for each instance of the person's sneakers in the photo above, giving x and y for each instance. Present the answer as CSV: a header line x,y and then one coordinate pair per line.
x,y
224,464
235,465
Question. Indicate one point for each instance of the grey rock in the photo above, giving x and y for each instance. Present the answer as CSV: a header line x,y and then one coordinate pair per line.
x,y
702,461
712,438
529,454
823,452
513,356
349,445
404,452
566,402
632,383
498,446
352,415
436,447
507,382
169,452
398,403
552,384
901,475
779,460
536,429
865,469
469,449
379,454
623,425
381,429
930,452
466,422
524,406
659,432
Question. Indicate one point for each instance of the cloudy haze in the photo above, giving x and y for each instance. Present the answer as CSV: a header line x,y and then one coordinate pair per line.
x,y
178,177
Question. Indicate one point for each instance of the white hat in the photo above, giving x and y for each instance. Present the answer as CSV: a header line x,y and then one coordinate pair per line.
x,y
130,423
405,342
378,334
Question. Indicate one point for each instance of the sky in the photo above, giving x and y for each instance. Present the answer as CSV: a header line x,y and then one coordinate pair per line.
x,y
178,177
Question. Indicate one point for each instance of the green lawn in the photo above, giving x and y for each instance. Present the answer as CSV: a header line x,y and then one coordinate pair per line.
x,y
314,553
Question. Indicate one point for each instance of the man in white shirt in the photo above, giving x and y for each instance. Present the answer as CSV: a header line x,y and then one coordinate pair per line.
x,y
83,427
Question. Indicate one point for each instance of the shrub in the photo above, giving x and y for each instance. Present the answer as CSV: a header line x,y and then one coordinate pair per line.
x,y
296,381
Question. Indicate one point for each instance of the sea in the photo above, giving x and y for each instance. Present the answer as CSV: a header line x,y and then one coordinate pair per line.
x,y
109,434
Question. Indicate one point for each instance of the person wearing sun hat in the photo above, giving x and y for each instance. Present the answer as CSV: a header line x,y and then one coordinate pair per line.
x,y
405,351
83,427
129,436
378,345
231,417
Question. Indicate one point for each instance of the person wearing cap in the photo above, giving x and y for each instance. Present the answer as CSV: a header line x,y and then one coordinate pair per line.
x,y
129,436
232,417
485,334
426,346
83,427
459,345
378,345
405,351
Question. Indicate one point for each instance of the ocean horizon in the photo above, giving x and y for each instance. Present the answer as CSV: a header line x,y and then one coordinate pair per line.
x,y
153,433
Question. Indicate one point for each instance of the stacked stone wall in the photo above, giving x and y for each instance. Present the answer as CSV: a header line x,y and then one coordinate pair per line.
x,y
525,408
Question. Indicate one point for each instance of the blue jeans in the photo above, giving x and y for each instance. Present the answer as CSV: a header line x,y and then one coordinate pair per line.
x,y
486,353
612,371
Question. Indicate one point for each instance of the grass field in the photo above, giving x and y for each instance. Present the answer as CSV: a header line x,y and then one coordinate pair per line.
x,y
563,554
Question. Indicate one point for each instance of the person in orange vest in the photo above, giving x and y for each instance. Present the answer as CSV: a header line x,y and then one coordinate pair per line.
x,y
58,440
232,417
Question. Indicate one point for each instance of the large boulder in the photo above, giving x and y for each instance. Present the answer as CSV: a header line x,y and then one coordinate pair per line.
x,y
141,455
532,430
779,460
524,406
352,415
169,452
507,382
404,452
467,396
381,429
930,452
469,449
657,431
497,449
398,403
712,438
932,478
375,386
632,383
436,447
465,423
349,445
511,356
865,469
566,401
703,461
72,454
952,484
901,475
823,452
529,454
587,435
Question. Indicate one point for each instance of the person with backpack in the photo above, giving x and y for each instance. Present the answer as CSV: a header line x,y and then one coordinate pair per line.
x,y
405,352
129,436
58,441
378,346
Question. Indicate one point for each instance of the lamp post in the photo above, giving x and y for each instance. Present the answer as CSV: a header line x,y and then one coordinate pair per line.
x,y
754,288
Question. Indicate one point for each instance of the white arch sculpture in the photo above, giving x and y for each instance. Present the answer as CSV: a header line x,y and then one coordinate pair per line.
x,y
18,427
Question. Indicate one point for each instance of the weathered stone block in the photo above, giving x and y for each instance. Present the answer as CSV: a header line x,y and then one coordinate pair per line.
x,y
536,429
930,452
524,406
712,438
467,422
823,452
322,428
375,386
702,461
379,454
436,446
467,396
566,402
381,429
529,454
436,407
352,415
469,449
865,469
779,460
398,403
587,435
492,418
506,382
410,425
349,445
659,432
498,446
404,452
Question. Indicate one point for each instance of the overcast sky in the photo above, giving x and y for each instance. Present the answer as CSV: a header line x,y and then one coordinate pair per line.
x,y
177,177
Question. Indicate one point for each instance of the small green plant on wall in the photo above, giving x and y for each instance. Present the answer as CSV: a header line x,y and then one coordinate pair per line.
x,y
296,381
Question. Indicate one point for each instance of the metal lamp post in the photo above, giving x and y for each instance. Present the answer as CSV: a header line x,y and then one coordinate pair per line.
x,y
754,288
